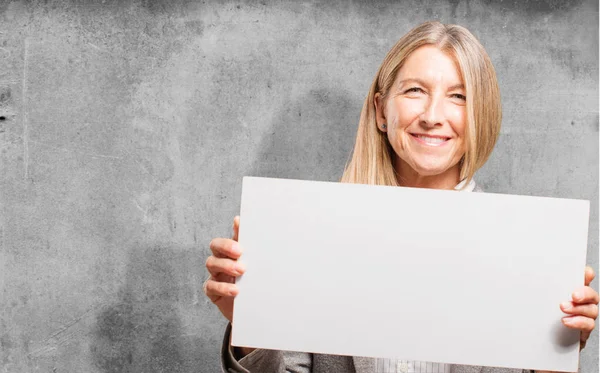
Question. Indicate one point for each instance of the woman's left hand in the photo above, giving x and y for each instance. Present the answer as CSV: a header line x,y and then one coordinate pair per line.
x,y
583,309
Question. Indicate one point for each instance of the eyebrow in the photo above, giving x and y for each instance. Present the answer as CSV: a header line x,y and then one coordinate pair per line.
x,y
456,86
421,82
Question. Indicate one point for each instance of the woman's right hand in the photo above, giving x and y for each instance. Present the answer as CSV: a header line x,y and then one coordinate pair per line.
x,y
224,267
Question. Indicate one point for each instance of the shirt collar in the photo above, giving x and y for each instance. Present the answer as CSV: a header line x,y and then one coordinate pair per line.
x,y
469,188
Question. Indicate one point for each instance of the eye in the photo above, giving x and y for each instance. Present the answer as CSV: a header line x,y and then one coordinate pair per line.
x,y
414,90
459,96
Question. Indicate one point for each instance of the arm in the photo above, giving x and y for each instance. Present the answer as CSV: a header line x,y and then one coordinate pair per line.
x,y
263,361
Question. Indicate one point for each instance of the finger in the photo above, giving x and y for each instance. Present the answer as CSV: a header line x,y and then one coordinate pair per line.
x,y
228,266
582,342
584,337
588,310
589,275
225,248
585,295
582,323
214,289
236,228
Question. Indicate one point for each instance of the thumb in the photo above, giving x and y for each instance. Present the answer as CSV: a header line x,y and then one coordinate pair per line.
x,y
236,228
589,275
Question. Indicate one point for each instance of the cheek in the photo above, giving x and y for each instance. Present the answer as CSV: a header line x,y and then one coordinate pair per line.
x,y
459,121
403,114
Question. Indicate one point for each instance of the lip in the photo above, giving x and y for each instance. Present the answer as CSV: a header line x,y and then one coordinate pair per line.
x,y
420,141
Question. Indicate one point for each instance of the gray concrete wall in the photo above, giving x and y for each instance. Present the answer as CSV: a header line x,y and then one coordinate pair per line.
x,y
126,128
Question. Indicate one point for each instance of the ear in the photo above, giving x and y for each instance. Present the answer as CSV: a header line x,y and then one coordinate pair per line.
x,y
379,112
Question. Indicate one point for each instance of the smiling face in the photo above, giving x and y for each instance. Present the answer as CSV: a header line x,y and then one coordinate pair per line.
x,y
425,113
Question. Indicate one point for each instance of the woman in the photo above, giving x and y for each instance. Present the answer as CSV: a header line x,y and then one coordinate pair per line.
x,y
431,120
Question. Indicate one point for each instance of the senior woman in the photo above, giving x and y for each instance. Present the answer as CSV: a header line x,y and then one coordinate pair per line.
x,y
430,120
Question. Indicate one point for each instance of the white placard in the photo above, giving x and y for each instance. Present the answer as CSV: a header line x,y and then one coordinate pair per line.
x,y
427,275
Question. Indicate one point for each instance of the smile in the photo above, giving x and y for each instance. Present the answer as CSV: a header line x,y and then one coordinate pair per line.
x,y
430,140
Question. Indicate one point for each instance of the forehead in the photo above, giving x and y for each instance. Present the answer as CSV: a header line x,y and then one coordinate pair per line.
x,y
430,64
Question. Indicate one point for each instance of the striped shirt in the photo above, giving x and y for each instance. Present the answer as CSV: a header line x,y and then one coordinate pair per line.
x,y
405,366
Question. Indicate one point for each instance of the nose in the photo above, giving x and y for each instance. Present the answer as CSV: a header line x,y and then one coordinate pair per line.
x,y
433,113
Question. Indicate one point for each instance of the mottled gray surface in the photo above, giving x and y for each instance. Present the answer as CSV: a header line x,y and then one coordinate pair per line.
x,y
126,129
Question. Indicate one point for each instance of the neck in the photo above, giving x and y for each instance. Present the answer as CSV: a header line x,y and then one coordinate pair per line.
x,y
408,177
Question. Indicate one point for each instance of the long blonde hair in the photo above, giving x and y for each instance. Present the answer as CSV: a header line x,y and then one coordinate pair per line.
x,y
372,157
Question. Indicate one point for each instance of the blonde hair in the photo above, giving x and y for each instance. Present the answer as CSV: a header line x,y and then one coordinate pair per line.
x,y
372,161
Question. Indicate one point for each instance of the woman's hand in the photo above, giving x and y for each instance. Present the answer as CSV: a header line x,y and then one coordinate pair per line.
x,y
583,309
224,267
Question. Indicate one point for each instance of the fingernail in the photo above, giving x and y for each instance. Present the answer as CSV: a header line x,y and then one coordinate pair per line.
x,y
567,321
565,305
240,268
236,248
577,296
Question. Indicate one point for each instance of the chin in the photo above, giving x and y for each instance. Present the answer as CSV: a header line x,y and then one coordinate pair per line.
x,y
431,168
429,164
430,171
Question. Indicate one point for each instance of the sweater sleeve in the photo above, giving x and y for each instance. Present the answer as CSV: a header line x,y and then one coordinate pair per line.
x,y
264,361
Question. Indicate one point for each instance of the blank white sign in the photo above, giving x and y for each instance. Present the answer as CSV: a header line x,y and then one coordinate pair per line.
x,y
427,275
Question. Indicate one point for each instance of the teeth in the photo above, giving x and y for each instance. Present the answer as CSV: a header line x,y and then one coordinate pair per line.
x,y
431,140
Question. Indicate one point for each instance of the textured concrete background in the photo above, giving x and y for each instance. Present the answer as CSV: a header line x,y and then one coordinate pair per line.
x,y
126,128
